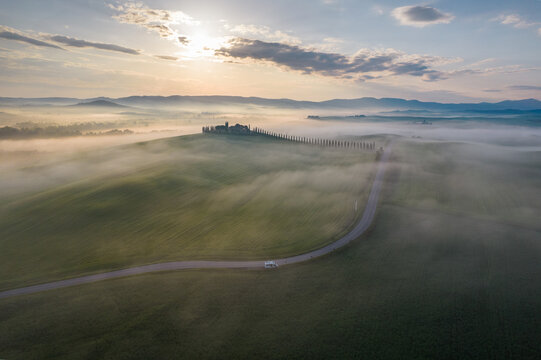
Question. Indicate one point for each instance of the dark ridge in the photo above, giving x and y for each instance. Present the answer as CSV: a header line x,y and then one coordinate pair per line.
x,y
100,103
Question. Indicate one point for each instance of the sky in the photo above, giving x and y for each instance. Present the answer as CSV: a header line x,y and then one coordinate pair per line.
x,y
447,51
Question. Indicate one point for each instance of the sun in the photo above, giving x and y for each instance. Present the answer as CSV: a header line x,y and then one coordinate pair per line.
x,y
202,44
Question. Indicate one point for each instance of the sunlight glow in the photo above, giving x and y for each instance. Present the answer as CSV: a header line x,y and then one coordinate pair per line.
x,y
201,44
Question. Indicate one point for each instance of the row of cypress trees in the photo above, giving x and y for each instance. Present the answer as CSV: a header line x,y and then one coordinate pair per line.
x,y
364,145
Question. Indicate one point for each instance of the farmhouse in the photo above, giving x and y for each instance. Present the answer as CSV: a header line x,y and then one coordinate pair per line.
x,y
236,129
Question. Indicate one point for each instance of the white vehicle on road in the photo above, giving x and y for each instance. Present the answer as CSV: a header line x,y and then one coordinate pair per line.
x,y
270,264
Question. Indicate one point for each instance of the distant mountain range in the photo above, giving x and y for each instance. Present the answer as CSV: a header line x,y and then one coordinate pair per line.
x,y
99,103
365,103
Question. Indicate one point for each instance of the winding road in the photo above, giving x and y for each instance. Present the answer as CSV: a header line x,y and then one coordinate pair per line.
x,y
358,230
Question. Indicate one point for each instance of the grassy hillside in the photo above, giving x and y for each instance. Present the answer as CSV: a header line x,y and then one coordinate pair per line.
x,y
426,282
196,197
480,181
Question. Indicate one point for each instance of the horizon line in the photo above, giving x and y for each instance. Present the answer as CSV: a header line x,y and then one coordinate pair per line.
x,y
266,98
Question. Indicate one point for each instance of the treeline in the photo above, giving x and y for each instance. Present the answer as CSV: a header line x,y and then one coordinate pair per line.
x,y
363,145
110,132
8,132
246,130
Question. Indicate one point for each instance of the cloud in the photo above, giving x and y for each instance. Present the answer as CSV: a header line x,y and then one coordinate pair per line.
x,y
525,87
421,16
364,65
329,44
167,57
265,32
11,35
492,90
508,69
482,62
515,21
183,40
377,10
155,20
84,44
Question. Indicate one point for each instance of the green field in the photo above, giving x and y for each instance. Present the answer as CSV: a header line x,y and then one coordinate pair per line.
x,y
195,197
426,282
